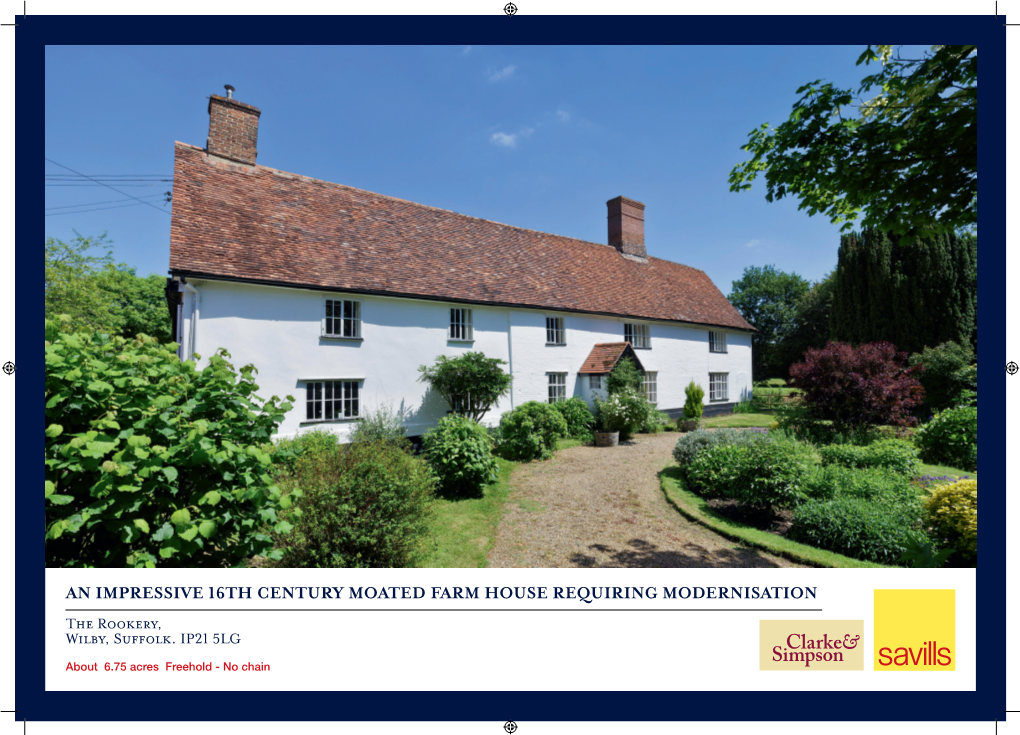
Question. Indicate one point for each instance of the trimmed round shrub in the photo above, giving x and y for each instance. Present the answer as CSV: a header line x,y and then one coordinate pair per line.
x,y
530,431
367,504
578,416
689,445
760,474
952,517
834,481
878,532
895,455
946,376
950,438
151,462
459,451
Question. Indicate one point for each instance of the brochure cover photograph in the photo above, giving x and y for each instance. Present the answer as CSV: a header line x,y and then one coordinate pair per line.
x,y
593,383
331,378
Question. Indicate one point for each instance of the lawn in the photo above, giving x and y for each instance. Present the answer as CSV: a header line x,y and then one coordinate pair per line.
x,y
464,529
738,421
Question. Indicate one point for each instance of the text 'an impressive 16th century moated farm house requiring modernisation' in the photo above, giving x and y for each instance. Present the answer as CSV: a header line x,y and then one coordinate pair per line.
x,y
337,295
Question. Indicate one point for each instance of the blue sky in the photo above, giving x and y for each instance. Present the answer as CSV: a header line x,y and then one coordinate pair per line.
x,y
538,137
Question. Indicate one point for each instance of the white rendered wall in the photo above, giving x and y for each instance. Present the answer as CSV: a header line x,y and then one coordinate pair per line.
x,y
278,330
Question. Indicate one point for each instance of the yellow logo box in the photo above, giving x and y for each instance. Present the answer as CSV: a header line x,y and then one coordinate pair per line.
x,y
915,630
811,645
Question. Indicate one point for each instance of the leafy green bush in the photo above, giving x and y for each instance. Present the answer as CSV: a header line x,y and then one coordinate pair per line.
x,y
530,431
952,515
152,462
460,453
471,383
578,417
694,406
689,445
746,406
946,375
950,438
832,481
367,504
383,424
872,531
656,422
624,411
895,455
760,474
626,377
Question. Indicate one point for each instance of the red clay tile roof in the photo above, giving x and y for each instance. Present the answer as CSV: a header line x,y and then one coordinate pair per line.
x,y
604,356
258,224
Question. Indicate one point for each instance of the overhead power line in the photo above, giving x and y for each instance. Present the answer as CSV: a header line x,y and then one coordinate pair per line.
x,y
99,209
106,185
106,201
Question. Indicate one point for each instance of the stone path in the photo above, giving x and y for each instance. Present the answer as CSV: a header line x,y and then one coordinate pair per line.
x,y
603,507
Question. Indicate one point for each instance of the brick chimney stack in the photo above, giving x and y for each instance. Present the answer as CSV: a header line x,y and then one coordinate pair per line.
x,y
233,128
627,226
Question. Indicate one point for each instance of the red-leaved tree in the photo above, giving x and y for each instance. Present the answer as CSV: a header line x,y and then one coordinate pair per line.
x,y
858,387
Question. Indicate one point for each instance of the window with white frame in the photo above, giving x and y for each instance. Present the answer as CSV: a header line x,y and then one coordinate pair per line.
x,y
717,341
557,387
637,335
650,387
331,400
595,382
343,319
460,325
717,389
554,332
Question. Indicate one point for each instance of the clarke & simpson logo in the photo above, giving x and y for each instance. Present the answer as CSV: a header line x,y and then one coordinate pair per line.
x,y
811,645
915,630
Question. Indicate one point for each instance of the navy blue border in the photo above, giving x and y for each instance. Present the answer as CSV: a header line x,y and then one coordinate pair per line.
x,y
33,703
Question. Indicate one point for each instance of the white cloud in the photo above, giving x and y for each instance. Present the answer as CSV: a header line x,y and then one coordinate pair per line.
x,y
505,139
504,73
509,140
563,116
467,49
753,243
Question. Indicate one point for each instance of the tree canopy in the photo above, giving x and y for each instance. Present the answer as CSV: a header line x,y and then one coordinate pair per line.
x,y
915,296
767,298
471,383
100,296
906,161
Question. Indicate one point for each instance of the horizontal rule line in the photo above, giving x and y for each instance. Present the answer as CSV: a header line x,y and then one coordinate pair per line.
x,y
441,609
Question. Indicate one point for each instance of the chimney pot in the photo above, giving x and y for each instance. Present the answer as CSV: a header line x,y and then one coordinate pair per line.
x,y
230,91
627,226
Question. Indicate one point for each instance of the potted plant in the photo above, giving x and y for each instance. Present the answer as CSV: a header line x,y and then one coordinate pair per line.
x,y
616,417
693,407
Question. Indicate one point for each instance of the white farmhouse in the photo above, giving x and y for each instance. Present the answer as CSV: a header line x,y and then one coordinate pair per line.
x,y
337,295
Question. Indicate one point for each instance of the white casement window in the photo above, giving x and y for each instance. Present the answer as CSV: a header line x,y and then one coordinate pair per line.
x,y
343,319
637,335
461,329
554,332
330,400
557,387
717,389
595,382
717,341
651,389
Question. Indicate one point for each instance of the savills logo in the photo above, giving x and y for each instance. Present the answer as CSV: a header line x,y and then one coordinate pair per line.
x,y
915,630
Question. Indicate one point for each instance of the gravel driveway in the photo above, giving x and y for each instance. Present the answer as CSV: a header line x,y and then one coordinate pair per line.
x,y
603,507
